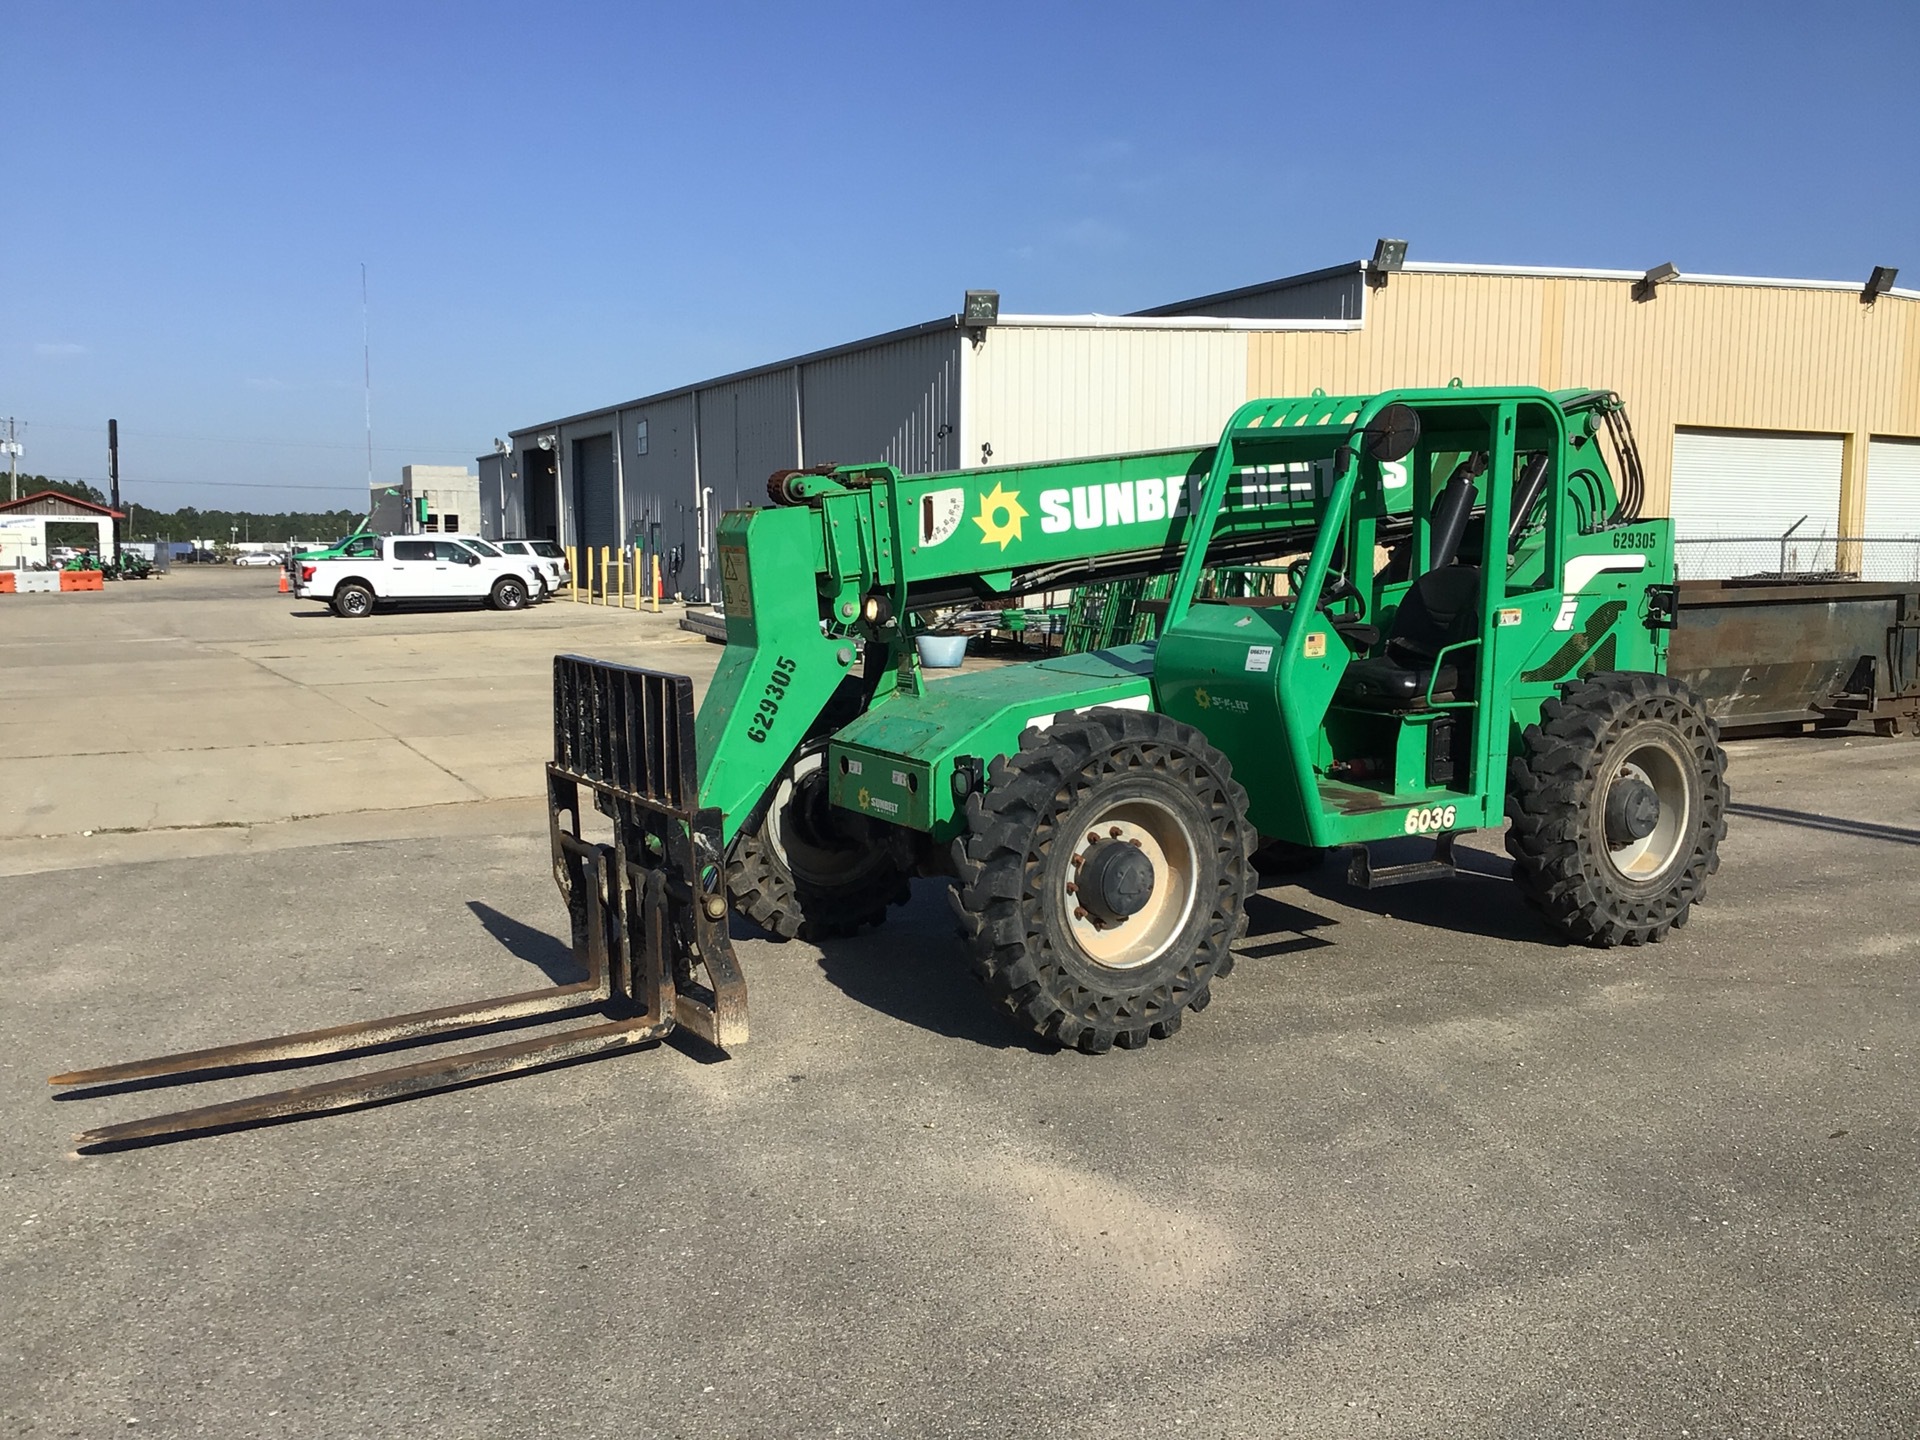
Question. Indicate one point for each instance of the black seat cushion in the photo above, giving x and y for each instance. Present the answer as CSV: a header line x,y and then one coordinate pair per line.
x,y
1441,608
1383,682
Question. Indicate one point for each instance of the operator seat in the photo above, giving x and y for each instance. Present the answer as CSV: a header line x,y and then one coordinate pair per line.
x,y
1441,608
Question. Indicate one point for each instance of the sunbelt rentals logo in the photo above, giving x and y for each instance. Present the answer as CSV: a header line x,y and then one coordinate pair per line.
x,y
1000,515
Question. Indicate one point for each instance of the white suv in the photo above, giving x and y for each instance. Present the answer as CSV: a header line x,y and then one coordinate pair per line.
x,y
545,553
540,584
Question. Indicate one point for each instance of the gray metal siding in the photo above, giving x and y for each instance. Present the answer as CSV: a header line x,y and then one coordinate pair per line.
x,y
1340,296
898,403
746,433
659,495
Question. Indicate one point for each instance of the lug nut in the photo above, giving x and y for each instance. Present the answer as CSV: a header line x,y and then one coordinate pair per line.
x,y
1114,831
1093,837
1078,861
1072,889
1134,843
1078,913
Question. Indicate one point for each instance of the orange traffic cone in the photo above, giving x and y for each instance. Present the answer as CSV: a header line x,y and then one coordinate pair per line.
x,y
284,587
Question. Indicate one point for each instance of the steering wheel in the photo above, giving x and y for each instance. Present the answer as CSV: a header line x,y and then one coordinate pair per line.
x,y
1335,588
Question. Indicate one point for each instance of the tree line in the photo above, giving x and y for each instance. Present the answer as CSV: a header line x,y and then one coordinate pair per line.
x,y
189,523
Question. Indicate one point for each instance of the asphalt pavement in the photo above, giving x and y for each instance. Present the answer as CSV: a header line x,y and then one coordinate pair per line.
x,y
1418,1171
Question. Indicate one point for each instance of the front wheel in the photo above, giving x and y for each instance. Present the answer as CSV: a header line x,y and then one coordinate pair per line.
x,y
806,869
1103,878
509,594
1618,801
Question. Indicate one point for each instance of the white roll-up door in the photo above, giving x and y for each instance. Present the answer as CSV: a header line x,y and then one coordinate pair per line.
x,y
1893,511
1753,485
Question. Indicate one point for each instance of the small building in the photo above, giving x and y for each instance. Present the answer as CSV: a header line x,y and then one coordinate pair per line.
x,y
23,526
1762,406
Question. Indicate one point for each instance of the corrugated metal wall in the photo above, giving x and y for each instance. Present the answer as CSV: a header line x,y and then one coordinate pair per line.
x,y
747,431
898,403
1739,356
1047,393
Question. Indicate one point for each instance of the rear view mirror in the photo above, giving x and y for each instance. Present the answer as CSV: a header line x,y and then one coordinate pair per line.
x,y
1392,434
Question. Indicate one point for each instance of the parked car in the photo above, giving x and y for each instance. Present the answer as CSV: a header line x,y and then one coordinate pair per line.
x,y
259,557
416,568
552,559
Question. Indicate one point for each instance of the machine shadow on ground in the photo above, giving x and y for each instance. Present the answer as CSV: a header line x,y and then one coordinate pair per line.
x,y
548,953
914,969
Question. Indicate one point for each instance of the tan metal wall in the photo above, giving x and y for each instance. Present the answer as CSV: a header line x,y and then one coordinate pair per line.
x,y
1052,393
1739,356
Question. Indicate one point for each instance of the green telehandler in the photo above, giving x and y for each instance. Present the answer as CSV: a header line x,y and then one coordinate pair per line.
x,y
1473,630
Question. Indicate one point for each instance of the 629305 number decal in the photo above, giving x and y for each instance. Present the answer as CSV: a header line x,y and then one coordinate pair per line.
x,y
776,691
1431,818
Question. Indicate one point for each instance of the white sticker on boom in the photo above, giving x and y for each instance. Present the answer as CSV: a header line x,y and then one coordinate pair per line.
x,y
940,514
1259,658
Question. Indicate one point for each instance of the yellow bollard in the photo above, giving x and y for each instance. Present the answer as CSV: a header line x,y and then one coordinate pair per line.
x,y
620,577
603,574
573,575
654,588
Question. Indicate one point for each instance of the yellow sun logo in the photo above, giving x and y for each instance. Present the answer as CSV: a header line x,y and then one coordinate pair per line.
x,y
1202,699
1000,515
866,797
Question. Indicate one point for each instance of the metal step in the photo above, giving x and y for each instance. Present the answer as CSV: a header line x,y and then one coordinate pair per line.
x,y
1361,870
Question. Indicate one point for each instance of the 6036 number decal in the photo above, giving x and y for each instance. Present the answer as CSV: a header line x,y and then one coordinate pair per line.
x,y
1430,818
776,691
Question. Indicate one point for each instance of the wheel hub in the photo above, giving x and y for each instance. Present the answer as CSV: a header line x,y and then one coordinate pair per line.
x,y
1633,811
1116,880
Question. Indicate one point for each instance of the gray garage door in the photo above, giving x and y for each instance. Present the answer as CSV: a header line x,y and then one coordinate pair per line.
x,y
1750,484
596,492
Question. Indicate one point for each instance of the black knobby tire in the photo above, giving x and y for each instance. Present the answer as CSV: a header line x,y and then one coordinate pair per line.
x,y
1579,865
509,594
805,870
353,601
1057,970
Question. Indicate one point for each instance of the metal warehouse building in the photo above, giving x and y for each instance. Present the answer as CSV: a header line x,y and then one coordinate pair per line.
x,y
1761,405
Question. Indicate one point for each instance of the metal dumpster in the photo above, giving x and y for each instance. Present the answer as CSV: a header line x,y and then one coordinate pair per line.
x,y
1768,654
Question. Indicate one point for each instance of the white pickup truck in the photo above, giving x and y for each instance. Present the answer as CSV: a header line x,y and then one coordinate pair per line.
x,y
416,568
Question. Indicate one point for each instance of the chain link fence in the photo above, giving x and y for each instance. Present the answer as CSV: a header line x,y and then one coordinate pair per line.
x,y
1797,557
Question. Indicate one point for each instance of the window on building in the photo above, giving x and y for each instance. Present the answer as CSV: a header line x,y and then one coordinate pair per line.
x,y
640,437
450,524
430,524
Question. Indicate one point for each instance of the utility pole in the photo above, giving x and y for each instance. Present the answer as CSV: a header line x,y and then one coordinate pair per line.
x,y
113,476
13,460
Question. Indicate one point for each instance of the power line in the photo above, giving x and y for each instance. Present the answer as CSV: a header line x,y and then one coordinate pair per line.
x,y
348,487
244,440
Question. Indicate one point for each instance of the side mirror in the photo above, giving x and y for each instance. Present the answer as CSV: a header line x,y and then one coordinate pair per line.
x,y
1392,434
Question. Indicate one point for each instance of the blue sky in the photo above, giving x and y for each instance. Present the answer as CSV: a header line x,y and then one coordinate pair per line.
x,y
561,206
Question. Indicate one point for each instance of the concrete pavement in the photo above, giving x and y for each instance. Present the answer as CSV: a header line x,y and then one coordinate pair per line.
x,y
1419,1171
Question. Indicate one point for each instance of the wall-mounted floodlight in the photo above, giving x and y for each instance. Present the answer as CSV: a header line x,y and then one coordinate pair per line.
x,y
1879,283
1648,284
1388,256
546,442
982,308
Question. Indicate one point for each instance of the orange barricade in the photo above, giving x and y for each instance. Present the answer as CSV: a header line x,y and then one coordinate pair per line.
x,y
6,582
82,580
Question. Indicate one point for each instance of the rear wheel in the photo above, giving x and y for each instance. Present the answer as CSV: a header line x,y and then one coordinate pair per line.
x,y
509,593
353,601
1618,802
1103,878
809,870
